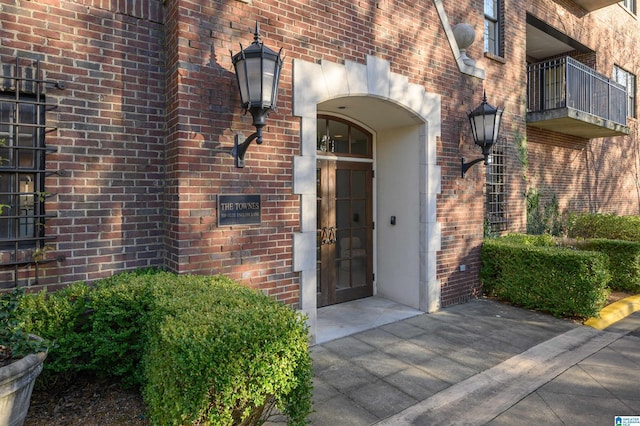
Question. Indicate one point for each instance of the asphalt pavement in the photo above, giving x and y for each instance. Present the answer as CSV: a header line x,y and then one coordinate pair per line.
x,y
478,363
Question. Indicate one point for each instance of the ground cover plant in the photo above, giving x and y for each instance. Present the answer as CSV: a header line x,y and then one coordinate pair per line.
x,y
203,350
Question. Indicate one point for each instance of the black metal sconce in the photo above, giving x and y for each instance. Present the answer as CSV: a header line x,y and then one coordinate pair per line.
x,y
485,125
258,72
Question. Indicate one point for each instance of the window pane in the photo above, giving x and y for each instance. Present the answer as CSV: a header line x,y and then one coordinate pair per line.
x,y
492,27
339,133
25,158
26,206
341,137
359,142
5,203
628,80
343,188
491,8
6,130
322,135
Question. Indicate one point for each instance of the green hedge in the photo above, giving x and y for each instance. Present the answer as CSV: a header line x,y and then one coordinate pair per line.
x,y
220,353
607,226
561,281
624,261
203,349
541,240
96,329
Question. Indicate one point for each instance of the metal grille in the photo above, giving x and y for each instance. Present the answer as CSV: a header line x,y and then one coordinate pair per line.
x,y
22,171
497,218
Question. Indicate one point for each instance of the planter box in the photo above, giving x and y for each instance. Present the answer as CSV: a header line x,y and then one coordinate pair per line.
x,y
16,385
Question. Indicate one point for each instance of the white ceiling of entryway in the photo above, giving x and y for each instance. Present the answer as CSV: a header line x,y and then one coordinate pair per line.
x,y
376,113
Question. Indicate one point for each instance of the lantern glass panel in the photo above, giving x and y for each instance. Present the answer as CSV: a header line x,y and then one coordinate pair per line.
x,y
479,129
267,82
242,81
254,80
496,125
488,121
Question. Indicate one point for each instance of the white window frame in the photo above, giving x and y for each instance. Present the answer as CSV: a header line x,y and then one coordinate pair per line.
x,y
630,5
493,27
628,80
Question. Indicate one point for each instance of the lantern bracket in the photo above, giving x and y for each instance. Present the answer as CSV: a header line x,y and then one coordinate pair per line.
x,y
467,166
239,149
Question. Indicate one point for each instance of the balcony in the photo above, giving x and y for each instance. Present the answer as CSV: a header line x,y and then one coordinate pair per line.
x,y
591,5
568,97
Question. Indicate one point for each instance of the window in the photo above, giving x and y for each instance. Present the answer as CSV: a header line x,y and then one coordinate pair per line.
x,y
21,167
496,220
492,27
628,80
630,5
339,137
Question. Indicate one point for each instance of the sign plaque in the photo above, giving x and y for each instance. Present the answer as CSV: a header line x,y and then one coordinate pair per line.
x,y
239,209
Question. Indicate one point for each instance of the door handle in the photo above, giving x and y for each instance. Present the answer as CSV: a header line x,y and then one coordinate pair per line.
x,y
323,236
332,235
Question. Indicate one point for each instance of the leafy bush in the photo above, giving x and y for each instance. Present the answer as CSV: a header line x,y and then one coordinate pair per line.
x,y
96,329
203,349
624,261
60,318
543,213
542,240
15,343
608,226
561,281
223,354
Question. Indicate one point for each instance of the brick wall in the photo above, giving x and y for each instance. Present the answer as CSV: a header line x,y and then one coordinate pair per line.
x,y
204,115
108,130
146,124
589,175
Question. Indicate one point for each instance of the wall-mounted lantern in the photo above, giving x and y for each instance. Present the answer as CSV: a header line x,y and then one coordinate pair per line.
x,y
258,72
485,125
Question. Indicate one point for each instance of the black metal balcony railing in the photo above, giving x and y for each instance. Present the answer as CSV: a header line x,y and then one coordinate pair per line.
x,y
567,83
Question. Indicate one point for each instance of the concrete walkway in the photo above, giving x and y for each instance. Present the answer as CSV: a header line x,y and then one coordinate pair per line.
x,y
478,363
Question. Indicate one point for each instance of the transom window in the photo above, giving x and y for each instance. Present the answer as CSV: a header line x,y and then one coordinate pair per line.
x,y
340,137
628,80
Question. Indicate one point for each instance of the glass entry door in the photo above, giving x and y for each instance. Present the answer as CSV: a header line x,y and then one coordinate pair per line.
x,y
344,231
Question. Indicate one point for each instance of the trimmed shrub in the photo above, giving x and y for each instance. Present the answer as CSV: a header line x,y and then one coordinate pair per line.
x,y
624,261
203,349
541,240
60,317
561,281
608,226
222,354
94,329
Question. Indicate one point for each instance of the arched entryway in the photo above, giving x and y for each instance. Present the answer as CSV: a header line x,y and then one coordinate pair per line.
x,y
405,123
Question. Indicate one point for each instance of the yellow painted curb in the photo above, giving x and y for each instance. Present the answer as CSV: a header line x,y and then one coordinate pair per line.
x,y
615,312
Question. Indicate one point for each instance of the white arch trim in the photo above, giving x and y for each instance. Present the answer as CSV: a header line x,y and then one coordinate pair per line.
x,y
315,83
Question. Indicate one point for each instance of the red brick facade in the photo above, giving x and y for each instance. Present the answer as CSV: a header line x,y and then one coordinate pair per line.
x,y
145,127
